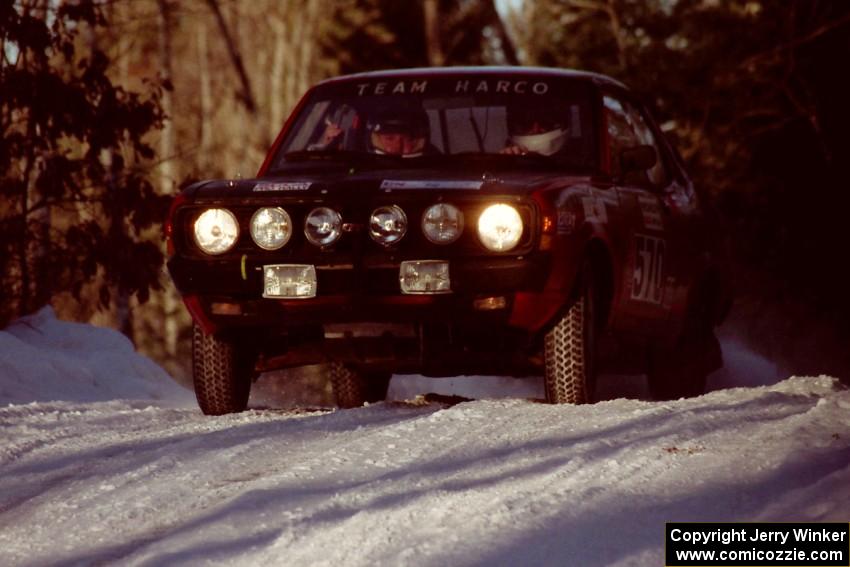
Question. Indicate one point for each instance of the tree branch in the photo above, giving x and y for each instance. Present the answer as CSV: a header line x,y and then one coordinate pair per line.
x,y
247,95
809,37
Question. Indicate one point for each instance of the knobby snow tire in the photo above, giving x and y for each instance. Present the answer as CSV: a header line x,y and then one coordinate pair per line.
x,y
221,373
353,388
568,352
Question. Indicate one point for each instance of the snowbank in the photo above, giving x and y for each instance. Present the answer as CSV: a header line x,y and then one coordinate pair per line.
x,y
45,359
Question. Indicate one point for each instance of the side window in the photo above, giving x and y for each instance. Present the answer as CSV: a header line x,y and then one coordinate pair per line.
x,y
627,129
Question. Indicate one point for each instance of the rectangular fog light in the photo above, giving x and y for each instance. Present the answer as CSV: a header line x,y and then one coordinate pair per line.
x,y
424,276
289,281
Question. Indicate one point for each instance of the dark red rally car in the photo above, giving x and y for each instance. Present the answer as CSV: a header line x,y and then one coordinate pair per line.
x,y
509,221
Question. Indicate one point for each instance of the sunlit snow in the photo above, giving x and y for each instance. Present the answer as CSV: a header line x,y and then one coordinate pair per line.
x,y
123,470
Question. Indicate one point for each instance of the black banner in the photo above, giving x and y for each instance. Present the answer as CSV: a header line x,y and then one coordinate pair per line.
x,y
757,544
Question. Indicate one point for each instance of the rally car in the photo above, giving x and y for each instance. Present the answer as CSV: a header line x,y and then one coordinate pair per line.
x,y
509,221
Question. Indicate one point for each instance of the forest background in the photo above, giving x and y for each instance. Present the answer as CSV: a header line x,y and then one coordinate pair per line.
x,y
107,108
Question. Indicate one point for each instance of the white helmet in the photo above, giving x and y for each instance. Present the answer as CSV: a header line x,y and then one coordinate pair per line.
x,y
544,143
543,133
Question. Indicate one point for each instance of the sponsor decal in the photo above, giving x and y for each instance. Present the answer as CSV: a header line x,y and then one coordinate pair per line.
x,y
650,210
648,277
608,197
504,87
566,221
461,86
264,186
424,184
389,88
669,292
594,209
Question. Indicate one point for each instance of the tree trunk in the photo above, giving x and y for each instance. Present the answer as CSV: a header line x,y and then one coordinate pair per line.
x,y
205,161
507,43
277,74
432,33
168,167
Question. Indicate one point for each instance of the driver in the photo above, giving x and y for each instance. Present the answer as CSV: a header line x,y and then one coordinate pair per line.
x,y
532,132
400,132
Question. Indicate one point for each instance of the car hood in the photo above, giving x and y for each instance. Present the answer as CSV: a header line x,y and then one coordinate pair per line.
x,y
325,184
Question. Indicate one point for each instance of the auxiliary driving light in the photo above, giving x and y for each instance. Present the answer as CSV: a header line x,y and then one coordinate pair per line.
x,y
387,225
216,231
271,228
323,226
289,281
500,227
442,223
490,303
424,277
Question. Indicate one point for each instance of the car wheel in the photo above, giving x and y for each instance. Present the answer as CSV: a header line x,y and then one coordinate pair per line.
x,y
377,385
681,372
353,388
222,372
569,350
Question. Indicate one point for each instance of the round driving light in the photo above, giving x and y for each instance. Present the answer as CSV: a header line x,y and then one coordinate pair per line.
x,y
387,225
216,231
442,223
500,227
271,227
323,226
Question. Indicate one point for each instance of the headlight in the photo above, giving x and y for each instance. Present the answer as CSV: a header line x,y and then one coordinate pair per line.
x,y
271,227
322,226
216,231
387,225
499,227
442,223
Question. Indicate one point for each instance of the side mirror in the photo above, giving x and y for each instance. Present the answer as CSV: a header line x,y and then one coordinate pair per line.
x,y
639,158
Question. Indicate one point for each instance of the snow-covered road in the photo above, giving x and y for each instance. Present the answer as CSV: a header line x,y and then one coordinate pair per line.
x,y
488,482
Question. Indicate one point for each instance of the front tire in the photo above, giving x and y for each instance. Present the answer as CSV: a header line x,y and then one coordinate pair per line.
x,y
569,350
353,388
681,372
222,371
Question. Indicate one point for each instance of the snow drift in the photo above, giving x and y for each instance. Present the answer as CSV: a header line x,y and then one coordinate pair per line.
x,y
43,358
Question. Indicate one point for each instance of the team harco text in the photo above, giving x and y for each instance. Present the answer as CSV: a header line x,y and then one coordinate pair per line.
x,y
462,86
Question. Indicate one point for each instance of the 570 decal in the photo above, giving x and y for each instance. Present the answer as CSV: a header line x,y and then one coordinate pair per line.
x,y
648,276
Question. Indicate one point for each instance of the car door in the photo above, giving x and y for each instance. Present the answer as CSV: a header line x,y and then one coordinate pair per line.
x,y
647,292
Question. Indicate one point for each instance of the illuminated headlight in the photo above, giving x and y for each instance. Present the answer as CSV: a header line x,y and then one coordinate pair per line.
x,y
322,226
500,227
387,225
271,227
216,231
442,223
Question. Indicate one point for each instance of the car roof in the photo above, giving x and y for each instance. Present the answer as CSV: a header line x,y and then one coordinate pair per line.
x,y
481,71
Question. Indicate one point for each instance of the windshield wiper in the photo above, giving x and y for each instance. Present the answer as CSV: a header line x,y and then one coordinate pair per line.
x,y
327,154
531,156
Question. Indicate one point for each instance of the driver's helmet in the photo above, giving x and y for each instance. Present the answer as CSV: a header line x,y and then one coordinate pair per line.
x,y
399,131
535,130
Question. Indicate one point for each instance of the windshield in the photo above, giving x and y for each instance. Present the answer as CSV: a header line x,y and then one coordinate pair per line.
x,y
398,121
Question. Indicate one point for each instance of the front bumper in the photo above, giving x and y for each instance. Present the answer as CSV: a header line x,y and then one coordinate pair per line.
x,y
242,279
